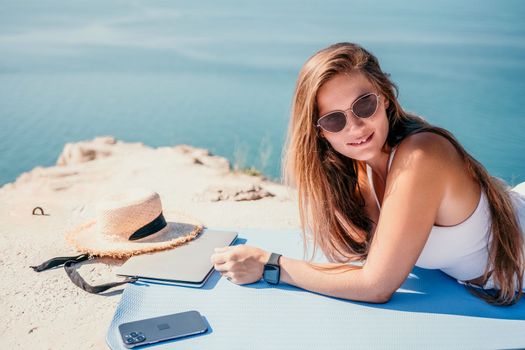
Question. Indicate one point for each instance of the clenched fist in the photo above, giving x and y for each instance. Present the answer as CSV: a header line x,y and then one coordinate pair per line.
x,y
240,264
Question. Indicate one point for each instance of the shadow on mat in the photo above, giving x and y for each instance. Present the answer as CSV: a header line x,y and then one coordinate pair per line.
x,y
432,291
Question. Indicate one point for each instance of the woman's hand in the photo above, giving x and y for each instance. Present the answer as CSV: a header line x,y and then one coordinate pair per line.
x,y
240,264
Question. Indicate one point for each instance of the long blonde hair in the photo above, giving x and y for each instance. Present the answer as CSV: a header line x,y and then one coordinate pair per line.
x,y
331,203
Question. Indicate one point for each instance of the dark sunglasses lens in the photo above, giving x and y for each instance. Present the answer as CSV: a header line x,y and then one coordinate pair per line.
x,y
365,106
333,122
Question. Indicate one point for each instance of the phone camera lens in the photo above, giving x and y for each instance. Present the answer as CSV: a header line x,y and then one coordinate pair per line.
x,y
134,337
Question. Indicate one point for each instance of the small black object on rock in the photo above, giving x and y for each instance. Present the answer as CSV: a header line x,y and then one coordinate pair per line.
x,y
36,209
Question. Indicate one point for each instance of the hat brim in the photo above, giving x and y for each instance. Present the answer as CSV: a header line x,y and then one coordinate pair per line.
x,y
179,230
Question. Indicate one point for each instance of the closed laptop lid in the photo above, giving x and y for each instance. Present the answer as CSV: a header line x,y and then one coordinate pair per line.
x,y
189,263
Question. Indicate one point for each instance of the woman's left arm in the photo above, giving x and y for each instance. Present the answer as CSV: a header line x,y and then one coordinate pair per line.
x,y
413,193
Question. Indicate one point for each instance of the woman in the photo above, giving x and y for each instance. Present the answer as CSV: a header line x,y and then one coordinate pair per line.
x,y
380,186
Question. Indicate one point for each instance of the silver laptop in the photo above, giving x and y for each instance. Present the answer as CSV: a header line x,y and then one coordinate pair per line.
x,y
187,265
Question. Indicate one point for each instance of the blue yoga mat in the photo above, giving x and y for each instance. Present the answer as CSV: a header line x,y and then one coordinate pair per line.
x,y
430,310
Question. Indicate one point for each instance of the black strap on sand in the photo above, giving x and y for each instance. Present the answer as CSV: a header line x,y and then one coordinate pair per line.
x,y
69,263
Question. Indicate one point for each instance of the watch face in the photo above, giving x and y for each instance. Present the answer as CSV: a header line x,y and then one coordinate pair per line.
x,y
271,274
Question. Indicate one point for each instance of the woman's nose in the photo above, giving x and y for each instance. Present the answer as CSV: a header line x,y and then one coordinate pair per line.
x,y
353,122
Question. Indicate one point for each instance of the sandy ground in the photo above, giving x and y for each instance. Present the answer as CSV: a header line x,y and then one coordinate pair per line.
x,y
45,310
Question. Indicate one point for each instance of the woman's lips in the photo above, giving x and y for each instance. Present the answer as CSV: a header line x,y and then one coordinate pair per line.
x,y
362,143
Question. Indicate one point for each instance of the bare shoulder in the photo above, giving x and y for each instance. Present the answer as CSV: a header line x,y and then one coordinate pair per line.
x,y
427,144
429,150
437,164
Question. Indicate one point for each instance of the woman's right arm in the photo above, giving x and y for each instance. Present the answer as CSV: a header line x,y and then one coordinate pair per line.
x,y
412,197
345,282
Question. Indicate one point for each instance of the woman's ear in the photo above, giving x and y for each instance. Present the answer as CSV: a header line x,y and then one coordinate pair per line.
x,y
386,101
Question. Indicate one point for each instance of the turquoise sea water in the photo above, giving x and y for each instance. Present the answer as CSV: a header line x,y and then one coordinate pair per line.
x,y
220,75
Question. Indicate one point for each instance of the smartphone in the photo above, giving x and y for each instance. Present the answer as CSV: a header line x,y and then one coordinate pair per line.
x,y
157,329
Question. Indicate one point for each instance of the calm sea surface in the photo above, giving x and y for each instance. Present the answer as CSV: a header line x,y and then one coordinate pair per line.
x,y
220,74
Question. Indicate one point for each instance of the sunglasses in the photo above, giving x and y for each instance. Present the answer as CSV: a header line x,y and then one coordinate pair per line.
x,y
363,107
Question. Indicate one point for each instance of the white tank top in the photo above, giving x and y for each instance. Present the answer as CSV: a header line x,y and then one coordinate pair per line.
x,y
460,250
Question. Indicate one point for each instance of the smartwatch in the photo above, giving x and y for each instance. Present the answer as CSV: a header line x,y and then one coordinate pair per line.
x,y
272,269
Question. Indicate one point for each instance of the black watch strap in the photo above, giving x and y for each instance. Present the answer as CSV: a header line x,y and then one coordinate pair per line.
x,y
272,269
274,259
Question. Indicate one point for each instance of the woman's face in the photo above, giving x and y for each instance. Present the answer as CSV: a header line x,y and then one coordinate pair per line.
x,y
338,94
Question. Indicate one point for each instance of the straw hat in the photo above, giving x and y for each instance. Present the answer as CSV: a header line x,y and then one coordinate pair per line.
x,y
131,223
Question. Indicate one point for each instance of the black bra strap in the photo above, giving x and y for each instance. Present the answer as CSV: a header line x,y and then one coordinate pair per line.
x,y
69,263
